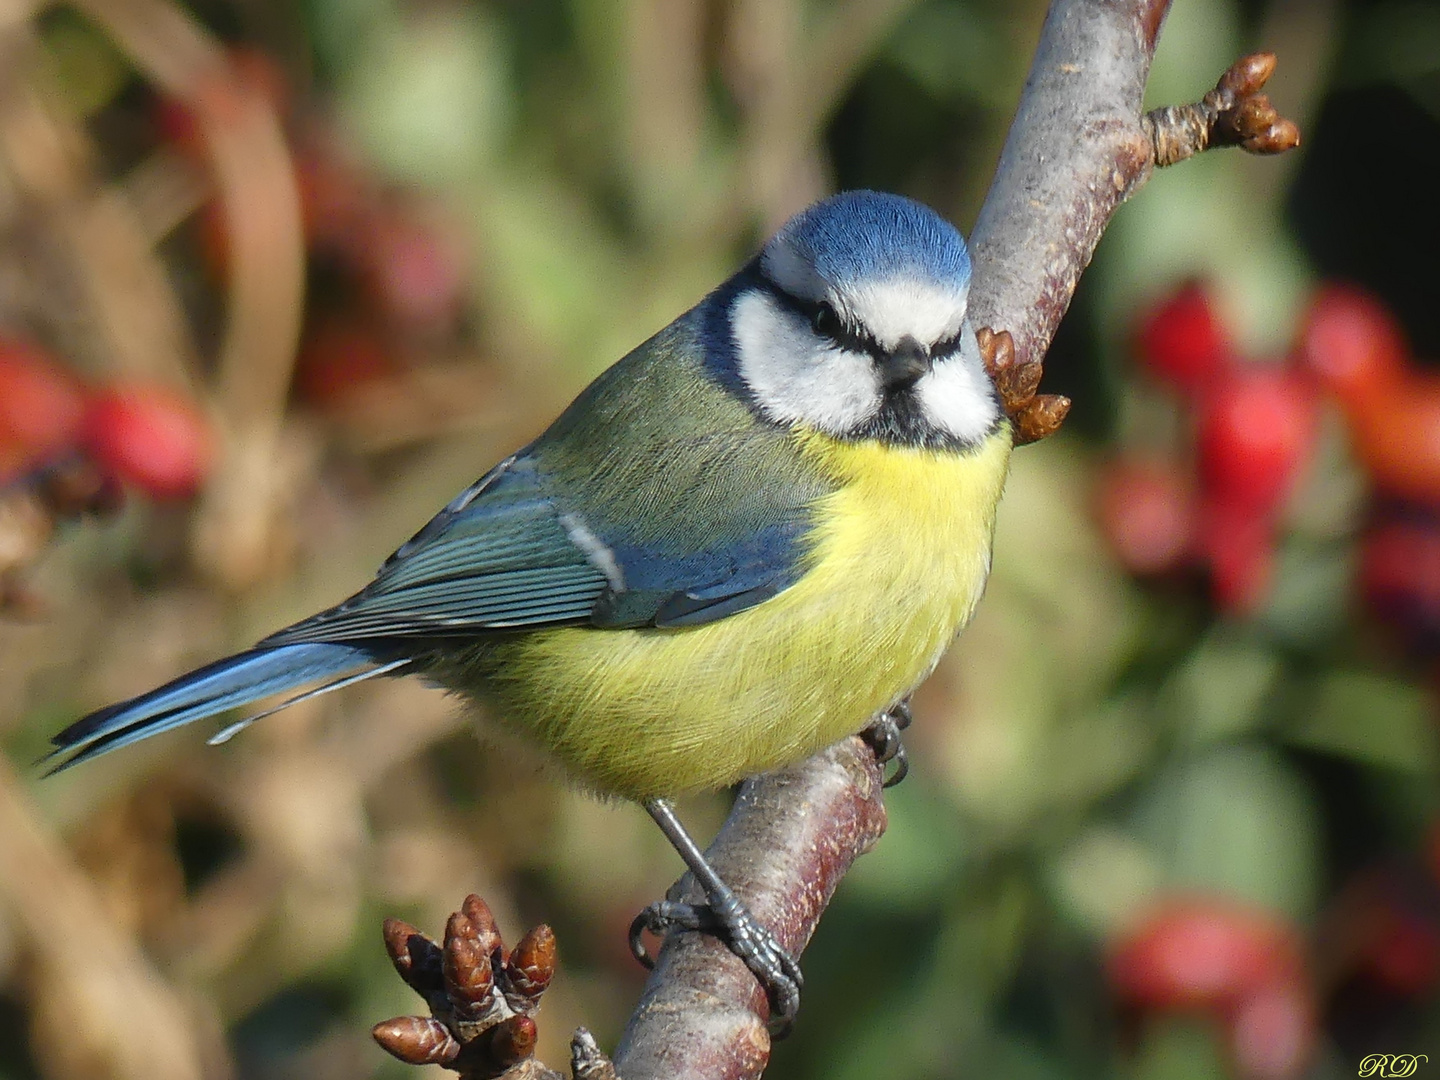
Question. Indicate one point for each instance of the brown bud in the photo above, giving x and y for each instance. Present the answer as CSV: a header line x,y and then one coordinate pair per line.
x,y
1041,418
1279,136
1004,346
512,1041
1248,74
1254,116
997,348
1017,385
1246,117
417,1040
483,922
529,970
469,978
397,933
415,956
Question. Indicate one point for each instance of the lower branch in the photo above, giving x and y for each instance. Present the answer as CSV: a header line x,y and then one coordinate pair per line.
x,y
790,838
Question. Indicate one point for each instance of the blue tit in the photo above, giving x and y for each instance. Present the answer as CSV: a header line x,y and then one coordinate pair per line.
x,y
755,532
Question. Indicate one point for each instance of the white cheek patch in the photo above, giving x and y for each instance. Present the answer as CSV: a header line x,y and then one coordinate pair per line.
x,y
956,398
794,375
906,307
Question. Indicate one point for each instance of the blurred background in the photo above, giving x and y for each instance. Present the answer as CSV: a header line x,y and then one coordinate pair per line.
x,y
277,280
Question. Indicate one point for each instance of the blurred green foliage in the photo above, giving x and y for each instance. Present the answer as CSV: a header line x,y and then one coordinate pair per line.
x,y
1090,745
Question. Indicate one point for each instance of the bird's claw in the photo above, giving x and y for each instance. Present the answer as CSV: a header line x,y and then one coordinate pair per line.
x,y
744,936
883,735
660,918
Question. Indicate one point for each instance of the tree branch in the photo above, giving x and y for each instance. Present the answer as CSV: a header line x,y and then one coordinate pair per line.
x,y
790,837
1080,146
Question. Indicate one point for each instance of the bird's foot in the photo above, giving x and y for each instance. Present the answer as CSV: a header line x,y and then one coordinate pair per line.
x,y
730,921
883,735
1034,416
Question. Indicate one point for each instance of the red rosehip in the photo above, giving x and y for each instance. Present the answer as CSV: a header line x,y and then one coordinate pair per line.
x,y
150,437
1146,511
1354,346
1237,543
334,199
414,273
41,406
1398,440
1256,429
336,360
1399,577
1182,342
1381,932
1272,1031
1404,955
1202,953
178,128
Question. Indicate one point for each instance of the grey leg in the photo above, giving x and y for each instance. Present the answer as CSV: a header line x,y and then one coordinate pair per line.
x,y
724,916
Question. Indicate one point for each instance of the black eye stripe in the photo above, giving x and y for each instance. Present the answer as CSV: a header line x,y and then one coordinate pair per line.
x,y
947,348
827,322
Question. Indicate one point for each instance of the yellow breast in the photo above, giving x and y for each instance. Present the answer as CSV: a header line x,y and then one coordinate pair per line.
x,y
901,552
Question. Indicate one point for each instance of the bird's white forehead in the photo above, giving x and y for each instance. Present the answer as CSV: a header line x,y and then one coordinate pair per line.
x,y
891,308
904,307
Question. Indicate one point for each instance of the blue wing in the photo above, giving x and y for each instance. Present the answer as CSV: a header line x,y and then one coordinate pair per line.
x,y
498,557
512,552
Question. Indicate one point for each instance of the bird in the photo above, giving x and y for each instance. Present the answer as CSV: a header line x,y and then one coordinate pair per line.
x,y
751,536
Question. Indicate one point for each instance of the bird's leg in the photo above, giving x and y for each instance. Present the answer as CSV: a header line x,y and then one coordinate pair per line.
x,y
883,735
724,916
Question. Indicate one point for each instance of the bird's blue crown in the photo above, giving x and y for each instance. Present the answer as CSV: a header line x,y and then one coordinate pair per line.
x,y
859,236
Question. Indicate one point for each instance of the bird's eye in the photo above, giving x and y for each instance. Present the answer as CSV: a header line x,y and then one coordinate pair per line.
x,y
948,347
826,322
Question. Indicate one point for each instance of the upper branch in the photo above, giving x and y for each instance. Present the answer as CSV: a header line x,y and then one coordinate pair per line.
x,y
1080,146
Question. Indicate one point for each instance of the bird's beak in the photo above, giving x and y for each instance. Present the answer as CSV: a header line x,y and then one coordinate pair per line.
x,y
905,363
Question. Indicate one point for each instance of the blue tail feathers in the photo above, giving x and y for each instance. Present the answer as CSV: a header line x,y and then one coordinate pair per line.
x,y
226,684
